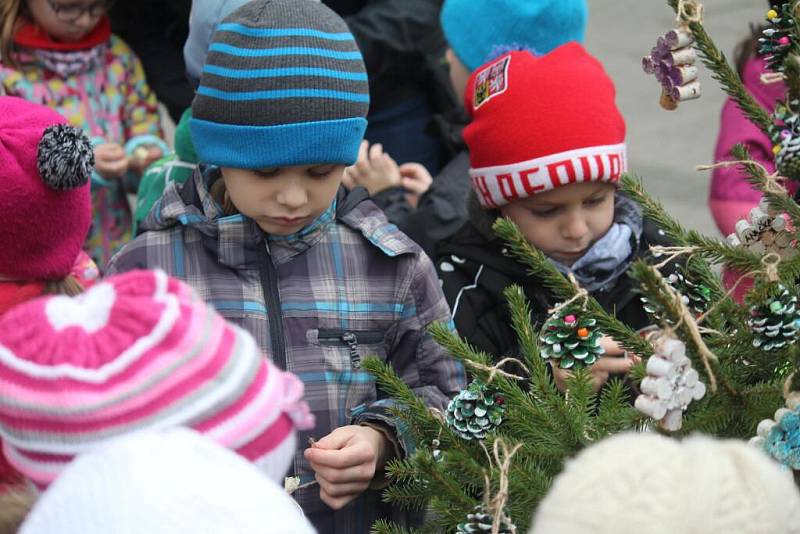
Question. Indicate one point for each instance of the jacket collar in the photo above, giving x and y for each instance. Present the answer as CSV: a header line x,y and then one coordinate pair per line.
x,y
235,238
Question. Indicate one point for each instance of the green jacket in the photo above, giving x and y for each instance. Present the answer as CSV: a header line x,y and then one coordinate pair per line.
x,y
177,167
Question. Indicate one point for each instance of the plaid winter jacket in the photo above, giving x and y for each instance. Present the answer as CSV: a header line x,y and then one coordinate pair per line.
x,y
348,286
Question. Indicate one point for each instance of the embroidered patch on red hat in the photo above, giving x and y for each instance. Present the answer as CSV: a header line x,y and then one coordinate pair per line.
x,y
491,81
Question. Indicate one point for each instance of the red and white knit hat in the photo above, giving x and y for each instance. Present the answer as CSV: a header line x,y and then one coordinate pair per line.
x,y
138,351
542,122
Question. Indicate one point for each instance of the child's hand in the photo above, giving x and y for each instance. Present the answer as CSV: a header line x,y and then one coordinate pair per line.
x,y
143,156
416,180
346,461
375,170
615,361
110,161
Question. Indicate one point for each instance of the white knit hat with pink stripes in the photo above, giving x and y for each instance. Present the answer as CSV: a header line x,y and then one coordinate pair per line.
x,y
138,351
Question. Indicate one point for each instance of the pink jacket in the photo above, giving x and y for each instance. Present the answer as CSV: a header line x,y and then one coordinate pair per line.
x,y
731,196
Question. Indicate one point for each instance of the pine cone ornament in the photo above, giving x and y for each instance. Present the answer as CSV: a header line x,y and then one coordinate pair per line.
x,y
695,296
475,411
480,520
776,322
780,438
777,39
571,340
786,138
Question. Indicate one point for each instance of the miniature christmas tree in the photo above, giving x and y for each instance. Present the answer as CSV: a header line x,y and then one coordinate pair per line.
x,y
715,366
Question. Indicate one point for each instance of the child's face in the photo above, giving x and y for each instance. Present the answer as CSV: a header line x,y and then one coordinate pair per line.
x,y
67,20
565,222
283,201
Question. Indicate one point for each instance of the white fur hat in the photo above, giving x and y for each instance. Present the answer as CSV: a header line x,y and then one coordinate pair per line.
x,y
650,484
169,482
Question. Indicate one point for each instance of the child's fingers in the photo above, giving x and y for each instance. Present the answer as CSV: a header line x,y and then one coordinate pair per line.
x,y
336,503
347,179
613,365
611,347
341,490
349,475
415,186
416,171
375,153
363,149
109,152
388,168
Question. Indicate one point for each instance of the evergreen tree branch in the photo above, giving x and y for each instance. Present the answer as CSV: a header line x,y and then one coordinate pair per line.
x,y
778,197
727,77
541,268
711,249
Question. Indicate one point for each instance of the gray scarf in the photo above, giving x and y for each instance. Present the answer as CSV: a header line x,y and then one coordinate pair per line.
x,y
613,253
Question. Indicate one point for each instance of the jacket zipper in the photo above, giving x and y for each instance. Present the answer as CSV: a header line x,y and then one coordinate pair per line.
x,y
269,285
351,340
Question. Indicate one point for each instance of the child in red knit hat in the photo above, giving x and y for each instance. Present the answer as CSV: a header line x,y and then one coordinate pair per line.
x,y
547,148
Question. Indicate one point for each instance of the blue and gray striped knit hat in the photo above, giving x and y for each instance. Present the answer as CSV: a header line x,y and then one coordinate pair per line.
x,y
284,84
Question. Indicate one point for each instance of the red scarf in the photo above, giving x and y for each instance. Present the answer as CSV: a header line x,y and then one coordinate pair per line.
x,y
30,35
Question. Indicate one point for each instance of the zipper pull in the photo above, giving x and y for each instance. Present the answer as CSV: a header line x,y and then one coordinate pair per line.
x,y
352,342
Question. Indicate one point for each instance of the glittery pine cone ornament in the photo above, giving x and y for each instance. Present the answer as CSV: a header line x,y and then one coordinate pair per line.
x,y
776,322
570,340
475,411
780,438
778,38
786,138
480,520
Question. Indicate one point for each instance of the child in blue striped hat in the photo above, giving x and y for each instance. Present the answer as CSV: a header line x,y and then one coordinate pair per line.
x,y
265,232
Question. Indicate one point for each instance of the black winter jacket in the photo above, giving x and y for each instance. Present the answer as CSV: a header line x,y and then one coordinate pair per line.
x,y
441,211
475,269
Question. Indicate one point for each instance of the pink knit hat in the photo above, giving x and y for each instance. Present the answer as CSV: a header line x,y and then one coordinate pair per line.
x,y
45,204
138,351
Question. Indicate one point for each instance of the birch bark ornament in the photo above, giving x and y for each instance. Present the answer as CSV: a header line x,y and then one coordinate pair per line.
x,y
766,232
671,384
673,63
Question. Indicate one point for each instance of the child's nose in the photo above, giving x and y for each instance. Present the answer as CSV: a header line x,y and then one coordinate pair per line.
x,y
293,196
575,228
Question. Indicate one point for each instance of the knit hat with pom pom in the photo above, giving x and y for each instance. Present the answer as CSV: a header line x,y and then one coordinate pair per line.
x,y
45,204
138,351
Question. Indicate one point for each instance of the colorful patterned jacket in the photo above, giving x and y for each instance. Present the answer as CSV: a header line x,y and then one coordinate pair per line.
x,y
348,286
101,89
